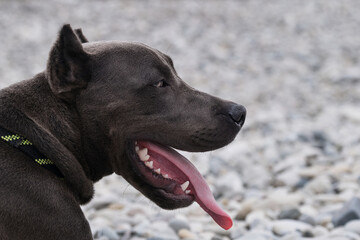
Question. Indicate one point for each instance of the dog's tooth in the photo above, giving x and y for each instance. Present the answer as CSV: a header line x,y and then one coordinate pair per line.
x,y
137,148
158,171
150,164
144,159
187,191
166,176
185,185
142,153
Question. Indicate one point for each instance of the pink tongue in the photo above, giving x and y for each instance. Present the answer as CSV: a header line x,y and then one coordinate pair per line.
x,y
198,186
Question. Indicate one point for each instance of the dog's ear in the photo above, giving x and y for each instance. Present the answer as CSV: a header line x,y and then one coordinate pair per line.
x,y
81,36
68,66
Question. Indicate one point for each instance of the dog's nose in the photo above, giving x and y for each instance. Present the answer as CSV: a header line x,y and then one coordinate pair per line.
x,y
238,114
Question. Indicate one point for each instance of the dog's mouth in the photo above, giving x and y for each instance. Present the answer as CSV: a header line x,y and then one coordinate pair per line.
x,y
174,178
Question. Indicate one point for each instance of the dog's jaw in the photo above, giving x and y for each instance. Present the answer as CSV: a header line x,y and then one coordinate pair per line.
x,y
173,181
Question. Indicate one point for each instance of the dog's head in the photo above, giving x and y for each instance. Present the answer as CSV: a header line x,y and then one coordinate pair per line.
x,y
134,109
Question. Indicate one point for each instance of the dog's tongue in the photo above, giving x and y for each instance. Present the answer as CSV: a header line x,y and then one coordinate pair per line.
x,y
198,185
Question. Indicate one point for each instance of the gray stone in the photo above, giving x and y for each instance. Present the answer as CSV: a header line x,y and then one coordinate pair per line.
x,y
292,213
138,238
101,238
301,183
289,177
161,229
101,202
284,227
141,229
238,231
280,199
307,234
217,165
292,236
177,224
229,184
319,231
350,211
320,184
307,219
309,210
257,235
217,238
257,219
342,234
256,176
107,233
353,226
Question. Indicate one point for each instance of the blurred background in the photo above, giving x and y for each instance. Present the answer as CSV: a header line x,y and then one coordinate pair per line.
x,y
293,172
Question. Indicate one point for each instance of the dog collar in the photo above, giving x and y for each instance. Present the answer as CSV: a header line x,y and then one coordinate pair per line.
x,y
29,149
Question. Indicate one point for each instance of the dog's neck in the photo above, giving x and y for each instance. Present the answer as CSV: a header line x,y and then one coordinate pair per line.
x,y
29,108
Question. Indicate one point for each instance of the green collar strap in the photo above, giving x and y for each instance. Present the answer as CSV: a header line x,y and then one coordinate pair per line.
x,y
29,149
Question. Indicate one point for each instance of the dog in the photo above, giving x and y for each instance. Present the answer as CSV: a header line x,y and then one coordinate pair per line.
x,y
101,108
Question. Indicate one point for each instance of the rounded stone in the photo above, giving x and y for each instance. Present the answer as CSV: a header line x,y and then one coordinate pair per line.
x,y
307,219
291,213
284,227
353,226
186,234
229,184
321,184
177,224
107,233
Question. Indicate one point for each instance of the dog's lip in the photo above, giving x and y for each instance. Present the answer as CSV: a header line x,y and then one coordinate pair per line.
x,y
186,183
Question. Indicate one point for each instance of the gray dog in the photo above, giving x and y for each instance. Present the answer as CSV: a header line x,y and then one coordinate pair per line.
x,y
100,108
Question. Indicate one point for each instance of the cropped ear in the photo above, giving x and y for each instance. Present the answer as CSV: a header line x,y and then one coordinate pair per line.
x,y
81,36
68,68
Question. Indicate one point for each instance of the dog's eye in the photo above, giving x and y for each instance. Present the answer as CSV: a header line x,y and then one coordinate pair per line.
x,y
160,84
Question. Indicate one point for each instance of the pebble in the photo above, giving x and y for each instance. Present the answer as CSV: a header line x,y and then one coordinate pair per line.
x,y
239,230
107,233
350,211
224,189
290,177
257,219
309,210
178,224
245,208
280,198
353,226
185,234
218,238
217,165
256,176
101,238
138,238
292,213
284,227
257,235
320,184
342,234
319,231
307,219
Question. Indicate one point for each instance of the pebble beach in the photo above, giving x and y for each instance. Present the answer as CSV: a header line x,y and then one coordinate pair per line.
x,y
293,172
